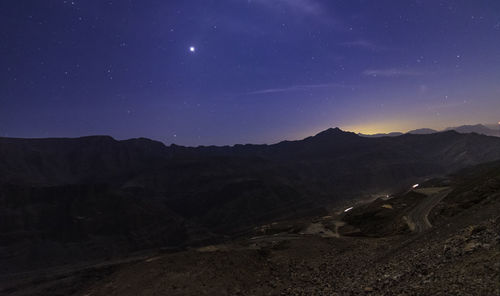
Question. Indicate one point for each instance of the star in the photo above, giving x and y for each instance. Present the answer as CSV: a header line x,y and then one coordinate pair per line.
x,y
192,49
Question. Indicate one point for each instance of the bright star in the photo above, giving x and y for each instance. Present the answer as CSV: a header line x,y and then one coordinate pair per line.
x,y
192,49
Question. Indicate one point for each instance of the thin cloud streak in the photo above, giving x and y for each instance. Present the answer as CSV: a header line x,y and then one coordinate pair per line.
x,y
390,73
364,44
295,88
303,6
311,9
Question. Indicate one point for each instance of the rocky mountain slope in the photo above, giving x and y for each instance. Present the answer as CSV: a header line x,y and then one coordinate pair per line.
x,y
371,250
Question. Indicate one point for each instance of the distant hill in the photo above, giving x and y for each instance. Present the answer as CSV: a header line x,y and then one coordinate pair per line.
x,y
422,131
394,134
478,129
495,126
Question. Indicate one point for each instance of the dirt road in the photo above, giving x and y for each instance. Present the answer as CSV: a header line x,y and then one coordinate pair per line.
x,y
417,218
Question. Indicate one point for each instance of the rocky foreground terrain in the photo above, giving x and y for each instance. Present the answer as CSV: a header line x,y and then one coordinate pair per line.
x,y
377,248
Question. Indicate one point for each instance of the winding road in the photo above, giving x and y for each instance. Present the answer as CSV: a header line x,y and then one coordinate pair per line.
x,y
418,217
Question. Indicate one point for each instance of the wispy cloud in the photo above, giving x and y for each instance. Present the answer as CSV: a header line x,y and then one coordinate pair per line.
x,y
391,72
313,9
302,6
364,44
294,88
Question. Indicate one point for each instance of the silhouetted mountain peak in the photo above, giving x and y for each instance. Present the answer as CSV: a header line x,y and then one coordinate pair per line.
x,y
334,132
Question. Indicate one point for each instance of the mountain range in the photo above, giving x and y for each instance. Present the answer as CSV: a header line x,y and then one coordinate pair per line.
x,y
70,200
488,130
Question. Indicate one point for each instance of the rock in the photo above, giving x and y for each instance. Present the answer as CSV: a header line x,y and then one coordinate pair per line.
x,y
477,229
471,246
368,289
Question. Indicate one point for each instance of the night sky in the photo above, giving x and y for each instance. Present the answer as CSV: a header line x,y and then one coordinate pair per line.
x,y
245,71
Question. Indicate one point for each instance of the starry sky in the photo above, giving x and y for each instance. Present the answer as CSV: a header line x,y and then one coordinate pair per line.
x,y
202,72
